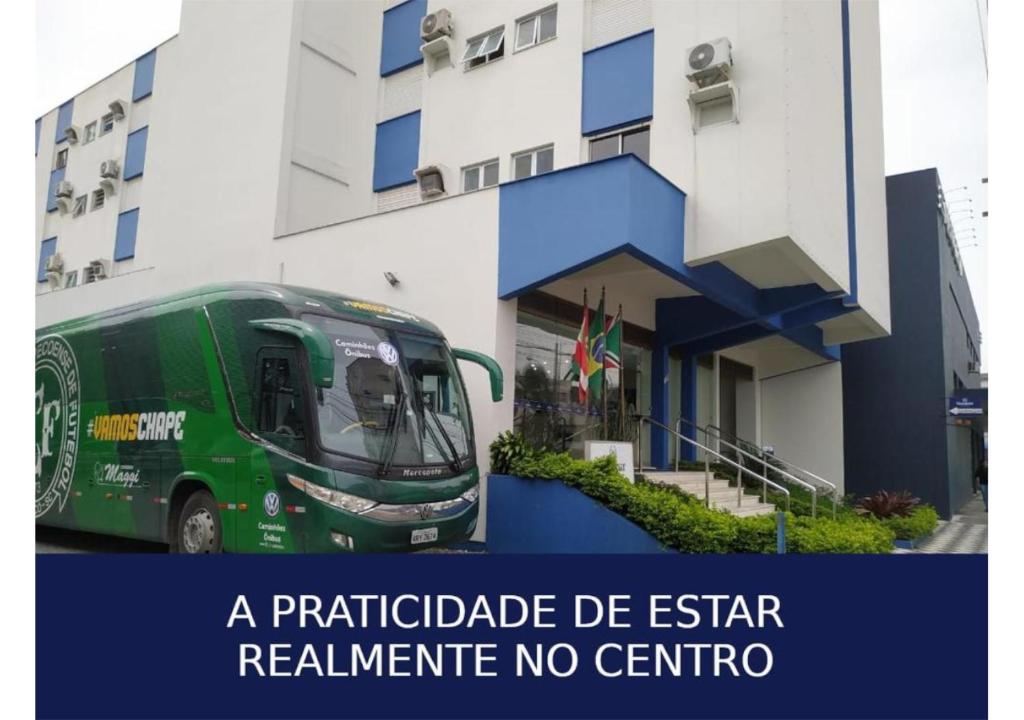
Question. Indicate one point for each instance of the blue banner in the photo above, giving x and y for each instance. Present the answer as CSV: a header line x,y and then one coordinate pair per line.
x,y
809,637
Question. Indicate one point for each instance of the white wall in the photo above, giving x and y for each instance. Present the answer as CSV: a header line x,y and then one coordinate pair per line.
x,y
802,417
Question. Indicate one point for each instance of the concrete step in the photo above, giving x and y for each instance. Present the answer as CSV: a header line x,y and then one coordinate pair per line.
x,y
721,494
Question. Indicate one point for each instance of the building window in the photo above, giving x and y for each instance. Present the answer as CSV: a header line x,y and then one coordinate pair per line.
x,y
80,204
484,48
135,153
636,141
106,123
98,197
90,133
533,162
71,279
46,249
62,159
480,176
127,230
536,28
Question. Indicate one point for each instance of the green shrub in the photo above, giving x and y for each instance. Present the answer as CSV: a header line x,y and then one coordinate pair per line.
x,y
922,521
682,522
508,448
843,535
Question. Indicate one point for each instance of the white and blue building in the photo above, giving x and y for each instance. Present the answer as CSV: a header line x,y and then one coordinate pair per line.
x,y
535,150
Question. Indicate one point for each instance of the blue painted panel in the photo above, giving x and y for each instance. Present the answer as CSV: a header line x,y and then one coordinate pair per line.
x,y
127,229
144,68
51,194
688,407
400,42
396,152
64,120
546,516
618,83
851,204
554,224
38,122
48,248
686,319
135,153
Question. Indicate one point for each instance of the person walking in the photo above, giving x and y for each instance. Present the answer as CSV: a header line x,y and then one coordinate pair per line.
x,y
981,478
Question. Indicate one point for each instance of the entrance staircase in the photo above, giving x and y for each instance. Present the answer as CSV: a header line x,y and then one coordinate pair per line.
x,y
721,495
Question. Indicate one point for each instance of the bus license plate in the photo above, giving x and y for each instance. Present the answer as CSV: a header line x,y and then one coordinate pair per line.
x,y
424,535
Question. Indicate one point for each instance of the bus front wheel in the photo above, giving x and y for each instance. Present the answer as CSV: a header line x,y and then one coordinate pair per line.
x,y
199,530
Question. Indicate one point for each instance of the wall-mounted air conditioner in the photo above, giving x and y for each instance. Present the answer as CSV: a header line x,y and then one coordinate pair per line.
x,y
64,189
110,169
973,367
431,181
72,134
55,263
435,24
709,62
117,109
95,270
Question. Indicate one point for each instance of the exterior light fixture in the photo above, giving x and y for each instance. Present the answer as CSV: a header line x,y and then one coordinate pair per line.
x,y
391,278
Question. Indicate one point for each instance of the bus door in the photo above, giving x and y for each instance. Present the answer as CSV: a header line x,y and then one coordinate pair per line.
x,y
279,411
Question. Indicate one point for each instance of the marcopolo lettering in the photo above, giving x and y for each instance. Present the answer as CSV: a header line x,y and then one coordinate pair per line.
x,y
133,427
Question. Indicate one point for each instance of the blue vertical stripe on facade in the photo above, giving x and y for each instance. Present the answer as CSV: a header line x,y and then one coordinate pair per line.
x,y
618,84
135,153
400,38
51,194
851,195
64,120
48,248
396,152
145,67
127,229
38,125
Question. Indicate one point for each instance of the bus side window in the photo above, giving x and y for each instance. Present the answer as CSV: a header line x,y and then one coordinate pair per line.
x,y
280,409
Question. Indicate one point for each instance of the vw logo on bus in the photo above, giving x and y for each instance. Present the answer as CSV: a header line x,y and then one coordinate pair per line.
x,y
388,353
271,503
57,408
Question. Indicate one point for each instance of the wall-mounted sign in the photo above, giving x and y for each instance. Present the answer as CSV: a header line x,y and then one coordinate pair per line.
x,y
966,405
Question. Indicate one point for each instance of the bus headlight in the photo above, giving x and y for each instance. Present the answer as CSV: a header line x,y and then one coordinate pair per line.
x,y
472,494
334,498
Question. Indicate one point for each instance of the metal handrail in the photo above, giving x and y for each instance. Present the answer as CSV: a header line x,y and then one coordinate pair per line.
x,y
831,487
707,463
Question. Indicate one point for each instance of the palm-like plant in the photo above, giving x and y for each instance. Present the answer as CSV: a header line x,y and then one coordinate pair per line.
x,y
884,504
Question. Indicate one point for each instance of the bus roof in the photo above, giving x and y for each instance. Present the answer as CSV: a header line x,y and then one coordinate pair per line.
x,y
299,298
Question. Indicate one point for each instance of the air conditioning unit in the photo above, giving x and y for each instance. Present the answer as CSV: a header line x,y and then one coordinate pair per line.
x,y
72,133
431,181
95,270
64,189
435,24
973,367
709,62
110,169
117,109
55,264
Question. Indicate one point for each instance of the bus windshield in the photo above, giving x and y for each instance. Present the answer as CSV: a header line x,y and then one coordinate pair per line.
x,y
397,399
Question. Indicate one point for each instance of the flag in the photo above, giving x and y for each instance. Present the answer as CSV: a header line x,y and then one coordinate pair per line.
x,y
581,354
595,359
613,342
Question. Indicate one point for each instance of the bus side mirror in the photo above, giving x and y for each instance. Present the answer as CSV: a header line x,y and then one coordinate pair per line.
x,y
492,368
318,346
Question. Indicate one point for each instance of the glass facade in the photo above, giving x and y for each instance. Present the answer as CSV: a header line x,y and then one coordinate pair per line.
x,y
547,407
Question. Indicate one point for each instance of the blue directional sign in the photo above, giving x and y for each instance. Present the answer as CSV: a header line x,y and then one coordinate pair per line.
x,y
967,404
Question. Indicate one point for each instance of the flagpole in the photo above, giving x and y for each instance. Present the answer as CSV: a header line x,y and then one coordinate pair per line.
x,y
604,371
622,376
580,379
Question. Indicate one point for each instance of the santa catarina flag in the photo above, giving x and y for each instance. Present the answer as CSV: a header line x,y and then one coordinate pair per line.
x,y
581,355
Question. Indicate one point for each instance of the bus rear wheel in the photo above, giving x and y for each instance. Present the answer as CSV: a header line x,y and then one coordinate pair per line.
x,y
199,530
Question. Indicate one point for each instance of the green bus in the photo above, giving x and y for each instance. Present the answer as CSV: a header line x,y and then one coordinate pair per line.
x,y
253,417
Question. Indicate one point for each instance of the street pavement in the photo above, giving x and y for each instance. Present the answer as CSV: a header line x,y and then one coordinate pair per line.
x,y
966,533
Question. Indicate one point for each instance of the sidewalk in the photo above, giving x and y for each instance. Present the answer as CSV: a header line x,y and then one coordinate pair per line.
x,y
966,533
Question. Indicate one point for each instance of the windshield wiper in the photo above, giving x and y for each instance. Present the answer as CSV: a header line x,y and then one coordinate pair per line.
x,y
390,444
455,463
